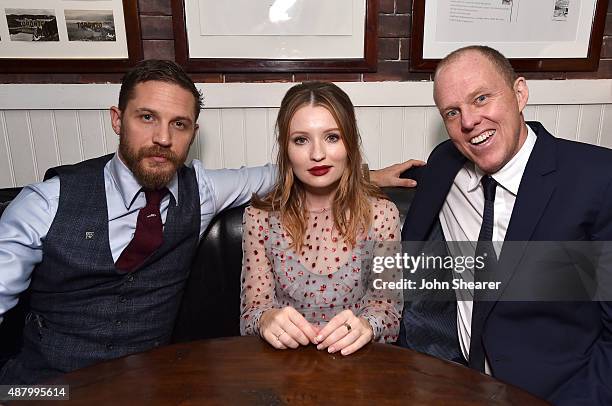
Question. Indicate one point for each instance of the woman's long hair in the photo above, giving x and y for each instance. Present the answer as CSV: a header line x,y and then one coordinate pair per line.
x,y
351,208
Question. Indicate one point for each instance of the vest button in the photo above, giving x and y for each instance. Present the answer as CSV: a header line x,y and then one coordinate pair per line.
x,y
122,299
118,322
109,346
131,278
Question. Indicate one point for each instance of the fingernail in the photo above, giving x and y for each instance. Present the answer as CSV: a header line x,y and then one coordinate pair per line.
x,y
343,352
331,349
320,347
318,338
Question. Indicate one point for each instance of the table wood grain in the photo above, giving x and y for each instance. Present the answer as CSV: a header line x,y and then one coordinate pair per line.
x,y
248,371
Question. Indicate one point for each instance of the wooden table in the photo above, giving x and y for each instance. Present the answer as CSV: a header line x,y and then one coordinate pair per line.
x,y
246,370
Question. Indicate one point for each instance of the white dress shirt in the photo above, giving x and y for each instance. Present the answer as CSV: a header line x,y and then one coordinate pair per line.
x,y
461,219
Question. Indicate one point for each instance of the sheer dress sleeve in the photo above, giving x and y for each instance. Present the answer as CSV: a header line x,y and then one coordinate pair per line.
x,y
382,307
257,280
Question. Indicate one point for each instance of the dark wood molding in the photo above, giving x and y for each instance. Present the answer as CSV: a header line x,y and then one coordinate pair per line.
x,y
366,64
589,63
134,43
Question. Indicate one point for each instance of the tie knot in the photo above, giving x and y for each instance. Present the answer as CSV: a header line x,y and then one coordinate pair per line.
x,y
488,187
154,197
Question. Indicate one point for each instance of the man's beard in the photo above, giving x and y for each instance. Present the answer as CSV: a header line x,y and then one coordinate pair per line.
x,y
150,175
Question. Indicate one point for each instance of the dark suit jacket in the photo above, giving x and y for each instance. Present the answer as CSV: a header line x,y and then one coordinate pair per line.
x,y
560,351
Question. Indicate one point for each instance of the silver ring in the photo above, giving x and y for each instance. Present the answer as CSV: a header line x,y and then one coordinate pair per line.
x,y
279,335
348,326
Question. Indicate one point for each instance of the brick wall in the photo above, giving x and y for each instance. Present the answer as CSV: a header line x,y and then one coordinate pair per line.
x,y
394,24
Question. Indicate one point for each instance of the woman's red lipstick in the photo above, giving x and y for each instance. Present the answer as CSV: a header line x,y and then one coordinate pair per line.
x,y
319,170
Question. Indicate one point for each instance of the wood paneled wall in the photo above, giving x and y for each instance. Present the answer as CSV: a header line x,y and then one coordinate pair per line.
x,y
43,127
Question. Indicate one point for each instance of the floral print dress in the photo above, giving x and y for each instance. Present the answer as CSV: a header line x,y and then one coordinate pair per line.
x,y
326,276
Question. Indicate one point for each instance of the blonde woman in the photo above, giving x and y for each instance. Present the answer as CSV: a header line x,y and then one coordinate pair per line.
x,y
307,245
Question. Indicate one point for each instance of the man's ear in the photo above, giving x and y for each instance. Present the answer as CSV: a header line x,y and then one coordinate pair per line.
x,y
522,92
115,115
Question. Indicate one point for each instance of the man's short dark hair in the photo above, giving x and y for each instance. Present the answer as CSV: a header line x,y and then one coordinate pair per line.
x,y
500,62
160,70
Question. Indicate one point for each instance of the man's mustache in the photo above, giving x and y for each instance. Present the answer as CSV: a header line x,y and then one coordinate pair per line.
x,y
157,151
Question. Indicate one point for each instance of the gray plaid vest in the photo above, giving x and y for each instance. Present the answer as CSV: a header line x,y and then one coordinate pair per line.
x,y
83,310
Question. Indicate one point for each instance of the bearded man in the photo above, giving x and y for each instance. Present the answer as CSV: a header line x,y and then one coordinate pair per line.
x,y
103,281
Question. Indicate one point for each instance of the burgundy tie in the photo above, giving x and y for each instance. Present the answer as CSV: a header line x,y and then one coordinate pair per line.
x,y
148,236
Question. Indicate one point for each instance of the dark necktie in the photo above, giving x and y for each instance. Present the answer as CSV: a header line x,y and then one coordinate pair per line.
x,y
484,248
148,236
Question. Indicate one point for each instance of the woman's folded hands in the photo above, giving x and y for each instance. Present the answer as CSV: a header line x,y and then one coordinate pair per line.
x,y
287,328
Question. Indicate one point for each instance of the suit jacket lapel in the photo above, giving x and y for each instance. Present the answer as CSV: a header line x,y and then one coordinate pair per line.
x,y
431,194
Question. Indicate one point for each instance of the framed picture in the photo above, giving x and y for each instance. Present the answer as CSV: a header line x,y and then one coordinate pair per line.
x,y
276,36
69,35
543,35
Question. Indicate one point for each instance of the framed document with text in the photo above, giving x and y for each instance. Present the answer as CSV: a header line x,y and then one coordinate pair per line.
x,y
276,35
69,35
542,35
